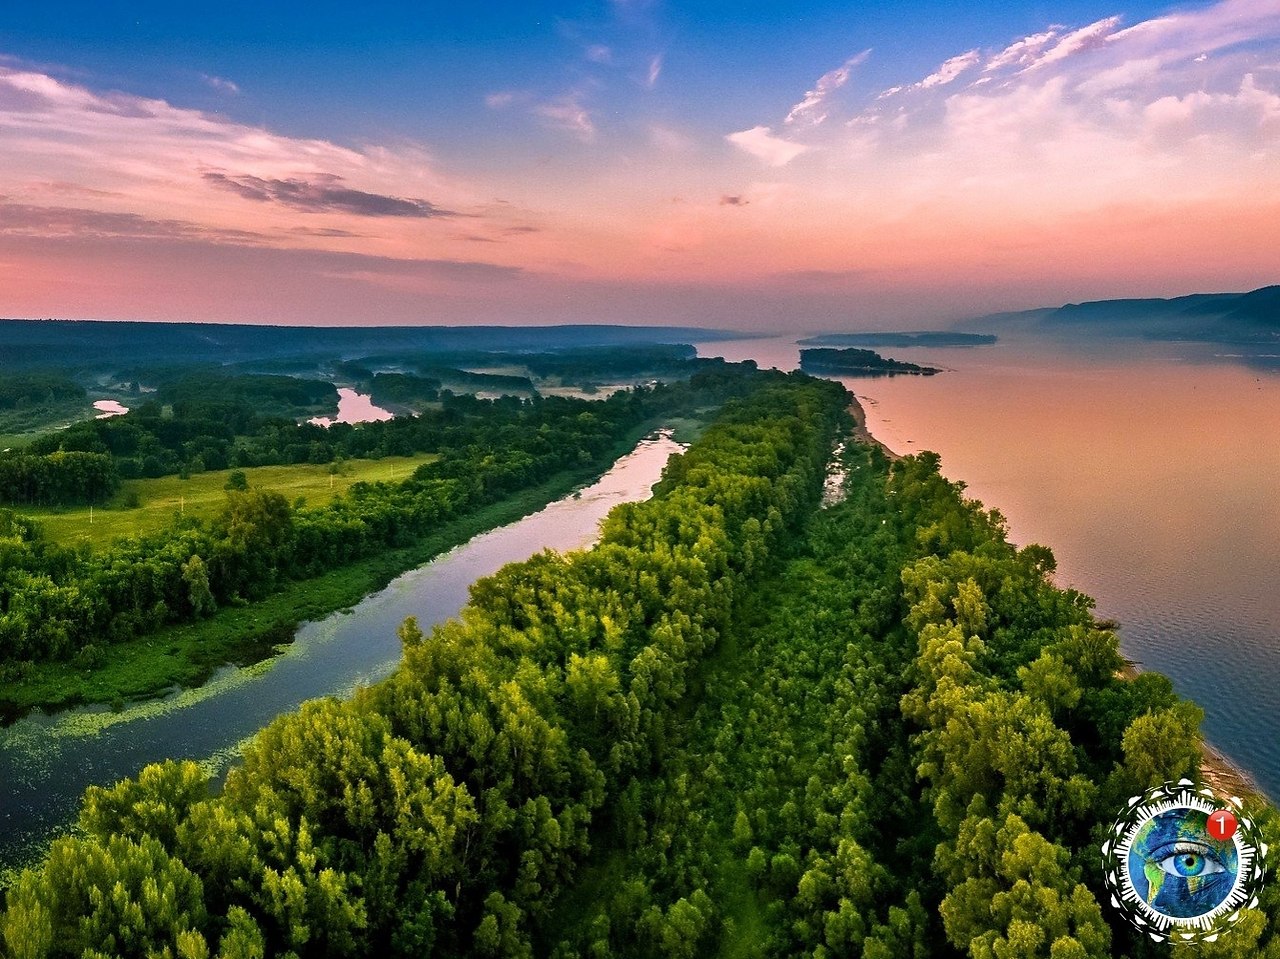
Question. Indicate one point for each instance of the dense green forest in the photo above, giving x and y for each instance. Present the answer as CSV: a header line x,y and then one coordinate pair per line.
x,y
740,726
266,394
31,389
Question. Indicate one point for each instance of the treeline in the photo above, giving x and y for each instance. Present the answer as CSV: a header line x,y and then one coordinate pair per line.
x,y
406,388
444,810
265,393
858,361
467,380
212,434
59,603
206,417
56,478
35,389
594,363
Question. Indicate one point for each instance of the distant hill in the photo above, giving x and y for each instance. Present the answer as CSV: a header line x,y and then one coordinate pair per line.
x,y
101,344
1237,318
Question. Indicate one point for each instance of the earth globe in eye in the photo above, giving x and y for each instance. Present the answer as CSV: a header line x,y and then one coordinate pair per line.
x,y
1182,864
1178,868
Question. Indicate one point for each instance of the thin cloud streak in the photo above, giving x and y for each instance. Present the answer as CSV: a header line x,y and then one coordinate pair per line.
x,y
323,194
811,107
655,71
568,113
221,84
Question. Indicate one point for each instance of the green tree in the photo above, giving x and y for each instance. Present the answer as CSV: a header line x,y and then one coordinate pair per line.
x,y
196,575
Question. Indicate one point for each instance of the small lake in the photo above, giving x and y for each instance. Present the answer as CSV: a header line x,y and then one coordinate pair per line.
x,y
109,408
353,407
46,762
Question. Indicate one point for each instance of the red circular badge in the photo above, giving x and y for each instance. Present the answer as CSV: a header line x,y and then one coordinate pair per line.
x,y
1222,824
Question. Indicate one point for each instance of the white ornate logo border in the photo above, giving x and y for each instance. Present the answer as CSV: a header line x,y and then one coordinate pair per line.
x,y
1251,856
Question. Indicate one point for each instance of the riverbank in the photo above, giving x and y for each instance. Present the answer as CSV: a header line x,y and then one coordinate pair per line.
x,y
864,435
46,763
186,655
1220,773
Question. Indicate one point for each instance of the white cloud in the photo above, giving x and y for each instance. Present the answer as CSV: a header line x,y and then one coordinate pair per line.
x,y
1023,51
1214,28
567,113
126,154
1068,120
1078,41
950,70
598,53
1117,78
763,145
947,73
1249,108
811,107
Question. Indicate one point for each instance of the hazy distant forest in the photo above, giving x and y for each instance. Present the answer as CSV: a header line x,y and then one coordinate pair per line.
x,y
744,724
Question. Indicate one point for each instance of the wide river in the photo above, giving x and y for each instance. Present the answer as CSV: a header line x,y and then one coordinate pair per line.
x,y
1153,472
46,762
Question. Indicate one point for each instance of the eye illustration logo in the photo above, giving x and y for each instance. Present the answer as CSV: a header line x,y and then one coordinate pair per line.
x,y
1182,864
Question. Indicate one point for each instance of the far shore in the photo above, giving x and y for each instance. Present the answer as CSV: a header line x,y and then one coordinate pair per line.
x,y
1219,773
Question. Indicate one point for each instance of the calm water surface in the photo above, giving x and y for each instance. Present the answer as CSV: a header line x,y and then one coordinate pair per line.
x,y
47,762
353,407
109,408
1154,475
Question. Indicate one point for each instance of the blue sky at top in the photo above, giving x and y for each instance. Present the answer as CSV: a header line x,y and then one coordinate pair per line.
x,y
371,70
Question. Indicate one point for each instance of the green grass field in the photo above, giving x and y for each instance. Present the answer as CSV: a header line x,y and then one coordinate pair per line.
x,y
203,496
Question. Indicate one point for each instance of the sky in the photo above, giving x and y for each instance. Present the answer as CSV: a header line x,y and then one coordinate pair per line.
x,y
751,165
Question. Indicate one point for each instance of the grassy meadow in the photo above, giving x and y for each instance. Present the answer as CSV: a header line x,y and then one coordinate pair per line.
x,y
158,500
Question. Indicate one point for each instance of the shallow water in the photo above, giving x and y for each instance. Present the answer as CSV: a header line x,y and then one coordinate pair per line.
x,y
46,762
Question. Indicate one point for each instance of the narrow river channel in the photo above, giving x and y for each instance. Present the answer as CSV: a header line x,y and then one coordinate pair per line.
x,y
46,762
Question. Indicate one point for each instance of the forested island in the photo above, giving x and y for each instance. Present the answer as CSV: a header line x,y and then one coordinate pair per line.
x,y
741,725
856,362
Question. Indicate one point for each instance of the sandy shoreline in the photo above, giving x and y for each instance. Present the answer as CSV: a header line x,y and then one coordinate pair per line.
x,y
1218,772
860,431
